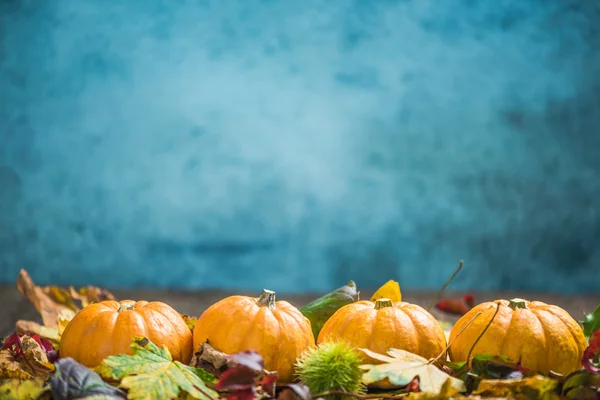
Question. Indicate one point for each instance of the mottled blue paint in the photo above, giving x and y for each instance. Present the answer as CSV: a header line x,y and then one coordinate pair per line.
x,y
296,144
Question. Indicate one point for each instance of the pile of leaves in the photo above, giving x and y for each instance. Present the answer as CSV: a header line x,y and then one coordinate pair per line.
x,y
31,366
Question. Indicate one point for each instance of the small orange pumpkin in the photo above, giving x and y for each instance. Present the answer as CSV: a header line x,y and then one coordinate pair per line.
x,y
537,335
383,324
276,330
107,328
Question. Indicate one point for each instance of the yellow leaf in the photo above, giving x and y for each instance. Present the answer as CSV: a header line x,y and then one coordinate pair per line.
x,y
446,392
533,387
15,389
189,321
63,320
11,368
400,367
391,290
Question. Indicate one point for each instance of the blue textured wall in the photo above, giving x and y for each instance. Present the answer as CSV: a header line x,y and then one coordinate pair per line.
x,y
297,144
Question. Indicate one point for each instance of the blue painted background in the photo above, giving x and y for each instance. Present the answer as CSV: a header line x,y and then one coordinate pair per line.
x,y
297,144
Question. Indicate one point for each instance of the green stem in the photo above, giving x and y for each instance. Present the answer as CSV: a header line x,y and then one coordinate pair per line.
x,y
382,303
126,305
518,303
267,299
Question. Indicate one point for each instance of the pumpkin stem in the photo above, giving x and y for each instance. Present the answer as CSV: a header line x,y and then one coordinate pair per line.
x,y
126,305
382,303
267,299
517,303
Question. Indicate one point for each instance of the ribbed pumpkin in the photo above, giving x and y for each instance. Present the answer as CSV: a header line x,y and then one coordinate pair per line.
x,y
106,328
537,335
381,325
276,330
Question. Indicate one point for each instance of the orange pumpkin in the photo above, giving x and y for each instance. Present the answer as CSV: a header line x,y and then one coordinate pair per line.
x,y
276,330
537,335
106,328
383,324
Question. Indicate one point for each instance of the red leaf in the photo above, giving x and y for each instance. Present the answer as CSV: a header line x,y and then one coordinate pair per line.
x,y
250,359
452,307
414,385
13,343
590,354
236,379
268,383
469,300
595,342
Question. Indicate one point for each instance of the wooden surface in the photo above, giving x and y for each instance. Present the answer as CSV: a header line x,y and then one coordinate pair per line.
x,y
14,306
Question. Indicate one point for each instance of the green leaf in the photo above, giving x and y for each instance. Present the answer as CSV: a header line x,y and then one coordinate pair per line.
x,y
578,381
320,310
150,373
591,322
16,389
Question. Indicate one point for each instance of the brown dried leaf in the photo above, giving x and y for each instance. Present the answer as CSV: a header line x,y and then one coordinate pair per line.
x,y
34,353
51,334
55,303
210,359
32,364
13,368
91,294
42,302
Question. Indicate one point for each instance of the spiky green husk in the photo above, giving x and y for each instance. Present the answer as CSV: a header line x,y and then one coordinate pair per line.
x,y
331,366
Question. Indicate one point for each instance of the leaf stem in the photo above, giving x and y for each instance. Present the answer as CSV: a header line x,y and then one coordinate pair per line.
x,y
198,388
439,294
481,335
455,337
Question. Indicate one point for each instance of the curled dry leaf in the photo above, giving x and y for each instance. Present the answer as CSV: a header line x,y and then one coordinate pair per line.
x,y
401,367
56,305
211,359
43,303
26,359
